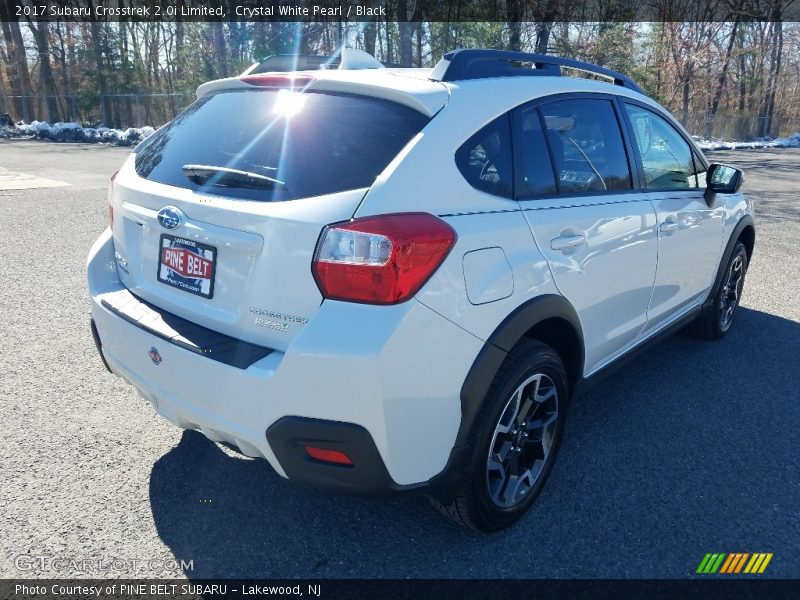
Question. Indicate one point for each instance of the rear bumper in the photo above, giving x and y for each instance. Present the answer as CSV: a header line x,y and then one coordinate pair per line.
x,y
383,381
289,436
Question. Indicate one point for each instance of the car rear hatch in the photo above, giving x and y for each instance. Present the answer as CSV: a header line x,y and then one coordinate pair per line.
x,y
217,215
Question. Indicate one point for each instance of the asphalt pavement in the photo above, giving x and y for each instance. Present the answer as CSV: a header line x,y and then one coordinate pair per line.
x,y
692,448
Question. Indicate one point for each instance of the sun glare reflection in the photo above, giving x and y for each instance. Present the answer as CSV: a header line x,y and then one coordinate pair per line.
x,y
288,103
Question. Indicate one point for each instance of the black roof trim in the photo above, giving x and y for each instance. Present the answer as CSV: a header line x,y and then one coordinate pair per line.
x,y
482,64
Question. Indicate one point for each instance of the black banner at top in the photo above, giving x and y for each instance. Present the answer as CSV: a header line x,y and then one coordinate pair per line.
x,y
401,10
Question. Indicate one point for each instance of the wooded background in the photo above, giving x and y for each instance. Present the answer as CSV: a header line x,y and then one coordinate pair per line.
x,y
731,79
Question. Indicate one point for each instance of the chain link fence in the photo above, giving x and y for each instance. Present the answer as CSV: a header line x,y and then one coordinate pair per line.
x,y
146,109
111,110
741,127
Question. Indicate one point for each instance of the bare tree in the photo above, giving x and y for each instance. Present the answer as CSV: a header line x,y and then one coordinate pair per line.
x,y
408,12
18,66
41,33
723,79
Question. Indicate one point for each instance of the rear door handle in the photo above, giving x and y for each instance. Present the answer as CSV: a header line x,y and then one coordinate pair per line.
x,y
669,225
565,242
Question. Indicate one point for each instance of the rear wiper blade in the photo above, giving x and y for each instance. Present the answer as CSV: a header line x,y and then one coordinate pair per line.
x,y
227,177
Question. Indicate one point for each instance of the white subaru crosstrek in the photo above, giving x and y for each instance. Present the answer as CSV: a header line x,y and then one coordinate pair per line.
x,y
395,279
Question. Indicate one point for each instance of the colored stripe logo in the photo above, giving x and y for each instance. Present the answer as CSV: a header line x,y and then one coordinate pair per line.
x,y
734,562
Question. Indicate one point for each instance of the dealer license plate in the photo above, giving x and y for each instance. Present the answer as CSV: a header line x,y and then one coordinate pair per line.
x,y
187,265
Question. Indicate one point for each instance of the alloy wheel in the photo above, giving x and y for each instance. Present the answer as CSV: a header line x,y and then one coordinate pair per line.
x,y
523,440
731,292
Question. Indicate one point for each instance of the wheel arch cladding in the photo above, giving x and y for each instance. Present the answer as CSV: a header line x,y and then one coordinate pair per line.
x,y
748,238
549,316
745,231
550,319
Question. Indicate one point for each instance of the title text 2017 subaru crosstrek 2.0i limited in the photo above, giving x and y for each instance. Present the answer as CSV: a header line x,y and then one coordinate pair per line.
x,y
385,279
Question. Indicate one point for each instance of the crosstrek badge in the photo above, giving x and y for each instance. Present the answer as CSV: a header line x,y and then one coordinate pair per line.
x,y
187,265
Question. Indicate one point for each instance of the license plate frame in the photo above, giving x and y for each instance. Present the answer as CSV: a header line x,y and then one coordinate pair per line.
x,y
193,256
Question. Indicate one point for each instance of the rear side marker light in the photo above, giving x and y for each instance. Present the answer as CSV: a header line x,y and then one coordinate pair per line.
x,y
329,456
384,259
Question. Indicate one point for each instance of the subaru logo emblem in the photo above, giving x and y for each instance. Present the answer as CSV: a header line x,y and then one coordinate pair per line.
x,y
171,217
154,356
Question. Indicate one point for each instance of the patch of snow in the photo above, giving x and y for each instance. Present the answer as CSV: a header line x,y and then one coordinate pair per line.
x,y
792,141
75,132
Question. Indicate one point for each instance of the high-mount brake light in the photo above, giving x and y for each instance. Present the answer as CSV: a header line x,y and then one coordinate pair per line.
x,y
383,259
278,81
109,200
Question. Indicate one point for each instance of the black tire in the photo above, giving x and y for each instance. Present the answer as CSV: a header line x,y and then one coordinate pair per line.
x,y
473,505
716,320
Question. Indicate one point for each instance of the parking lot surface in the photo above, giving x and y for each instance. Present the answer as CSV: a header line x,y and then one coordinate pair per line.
x,y
692,448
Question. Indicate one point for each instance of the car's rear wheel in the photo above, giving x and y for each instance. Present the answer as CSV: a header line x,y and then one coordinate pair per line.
x,y
716,320
514,441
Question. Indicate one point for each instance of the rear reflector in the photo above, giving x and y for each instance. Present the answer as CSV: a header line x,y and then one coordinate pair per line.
x,y
329,456
384,259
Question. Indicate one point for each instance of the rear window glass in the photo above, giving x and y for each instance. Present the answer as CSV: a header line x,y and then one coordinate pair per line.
x,y
273,145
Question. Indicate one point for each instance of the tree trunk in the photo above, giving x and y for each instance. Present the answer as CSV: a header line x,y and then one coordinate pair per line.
x,y
20,79
220,48
723,78
543,36
47,84
742,71
370,33
514,22
102,84
757,70
418,55
260,41
545,18
406,31
774,72
180,34
126,68
66,59
389,44
688,73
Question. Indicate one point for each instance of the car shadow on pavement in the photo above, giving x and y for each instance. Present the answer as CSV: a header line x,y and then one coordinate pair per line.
x,y
659,461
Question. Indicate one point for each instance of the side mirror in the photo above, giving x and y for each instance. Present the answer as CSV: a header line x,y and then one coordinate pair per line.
x,y
724,179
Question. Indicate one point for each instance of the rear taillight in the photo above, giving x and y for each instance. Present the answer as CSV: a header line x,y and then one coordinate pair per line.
x,y
109,200
380,260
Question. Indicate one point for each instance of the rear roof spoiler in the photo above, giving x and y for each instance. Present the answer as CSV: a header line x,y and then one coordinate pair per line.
x,y
348,58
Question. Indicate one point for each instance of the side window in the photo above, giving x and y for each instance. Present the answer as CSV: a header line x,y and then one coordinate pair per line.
x,y
533,170
485,159
586,144
666,156
700,171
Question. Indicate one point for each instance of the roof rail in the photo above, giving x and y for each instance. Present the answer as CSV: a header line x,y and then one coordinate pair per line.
x,y
462,64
